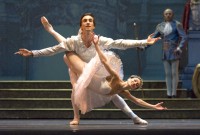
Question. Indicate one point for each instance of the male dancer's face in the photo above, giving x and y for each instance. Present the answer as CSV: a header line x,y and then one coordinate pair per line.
x,y
87,23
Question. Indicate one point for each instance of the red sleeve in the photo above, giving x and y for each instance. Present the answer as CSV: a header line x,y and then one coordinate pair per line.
x,y
186,15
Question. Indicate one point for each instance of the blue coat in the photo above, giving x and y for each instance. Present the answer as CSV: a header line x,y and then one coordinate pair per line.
x,y
173,41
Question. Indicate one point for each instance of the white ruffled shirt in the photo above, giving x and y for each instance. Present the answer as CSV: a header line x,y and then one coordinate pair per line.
x,y
75,43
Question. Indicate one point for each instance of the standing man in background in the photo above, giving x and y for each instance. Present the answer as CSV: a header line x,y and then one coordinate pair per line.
x,y
174,38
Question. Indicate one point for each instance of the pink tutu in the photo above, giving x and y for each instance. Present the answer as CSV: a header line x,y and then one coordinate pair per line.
x,y
86,98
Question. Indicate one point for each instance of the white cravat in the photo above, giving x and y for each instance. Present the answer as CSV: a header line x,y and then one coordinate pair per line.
x,y
167,29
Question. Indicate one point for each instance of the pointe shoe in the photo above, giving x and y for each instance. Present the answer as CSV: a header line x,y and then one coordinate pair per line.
x,y
74,122
140,121
44,20
48,27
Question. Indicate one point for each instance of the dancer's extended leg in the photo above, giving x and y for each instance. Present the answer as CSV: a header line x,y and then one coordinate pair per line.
x,y
121,104
73,78
76,119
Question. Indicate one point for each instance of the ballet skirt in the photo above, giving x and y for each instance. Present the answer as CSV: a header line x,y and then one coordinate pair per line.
x,y
88,92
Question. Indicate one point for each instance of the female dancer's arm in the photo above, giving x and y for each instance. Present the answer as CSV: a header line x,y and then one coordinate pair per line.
x,y
103,58
141,102
49,28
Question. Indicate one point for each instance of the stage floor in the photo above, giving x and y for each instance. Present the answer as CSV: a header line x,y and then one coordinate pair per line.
x,y
99,127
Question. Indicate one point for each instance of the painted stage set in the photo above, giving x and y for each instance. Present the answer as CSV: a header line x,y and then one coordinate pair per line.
x,y
32,104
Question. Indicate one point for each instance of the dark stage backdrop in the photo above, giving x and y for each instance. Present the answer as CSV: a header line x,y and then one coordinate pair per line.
x,y
20,27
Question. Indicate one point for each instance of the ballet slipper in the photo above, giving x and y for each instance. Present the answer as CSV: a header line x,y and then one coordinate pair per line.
x,y
74,122
139,121
44,20
48,27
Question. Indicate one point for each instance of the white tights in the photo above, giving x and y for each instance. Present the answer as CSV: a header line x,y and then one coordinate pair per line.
x,y
171,74
121,104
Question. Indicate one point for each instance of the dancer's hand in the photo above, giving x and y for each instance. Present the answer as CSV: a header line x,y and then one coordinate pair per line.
x,y
48,27
96,39
159,106
151,40
24,52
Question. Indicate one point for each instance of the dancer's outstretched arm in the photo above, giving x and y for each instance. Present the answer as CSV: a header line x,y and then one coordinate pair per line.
x,y
24,52
141,102
103,58
151,40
